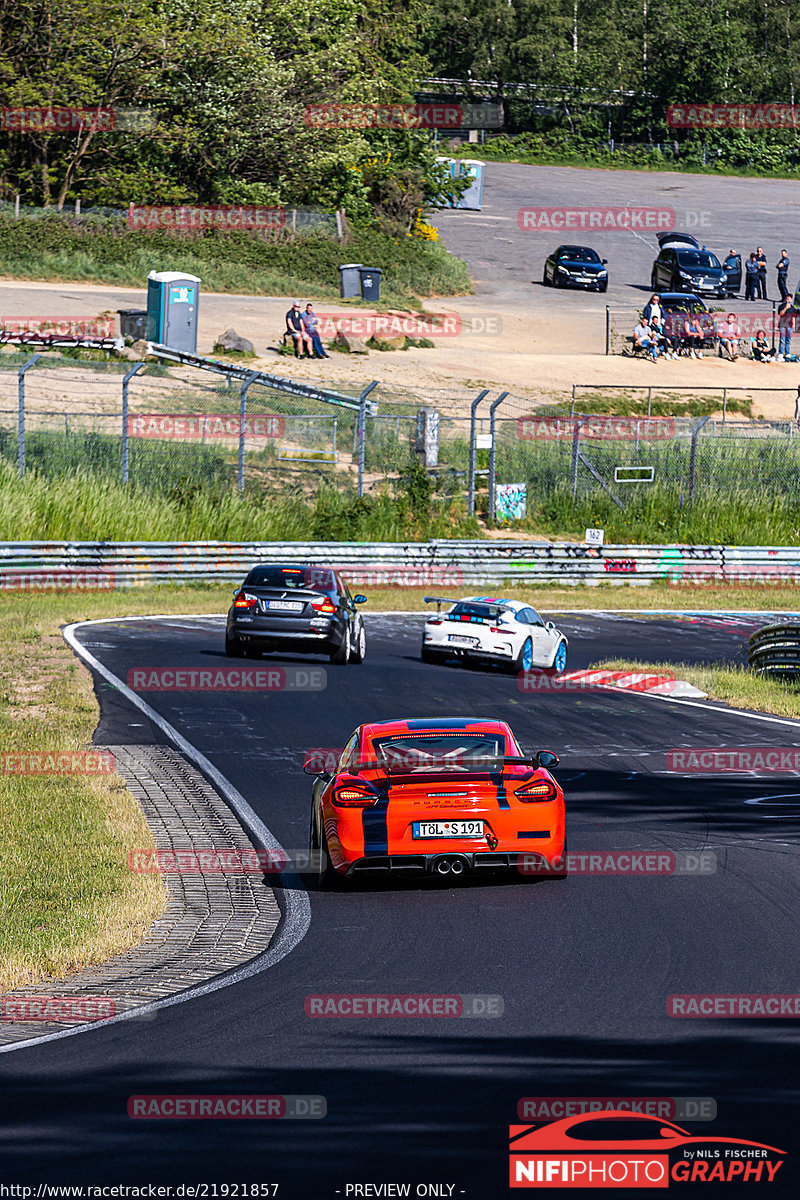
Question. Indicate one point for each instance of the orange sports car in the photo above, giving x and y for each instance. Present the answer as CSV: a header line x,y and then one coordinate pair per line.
x,y
443,796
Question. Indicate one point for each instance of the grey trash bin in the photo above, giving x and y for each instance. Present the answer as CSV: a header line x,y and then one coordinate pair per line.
x,y
349,280
132,322
371,283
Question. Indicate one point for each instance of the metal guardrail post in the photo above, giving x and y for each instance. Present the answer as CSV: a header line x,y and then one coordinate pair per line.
x,y
21,413
473,433
125,381
576,439
242,423
492,452
363,405
693,456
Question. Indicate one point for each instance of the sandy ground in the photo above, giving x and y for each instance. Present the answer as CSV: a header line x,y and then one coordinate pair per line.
x,y
515,335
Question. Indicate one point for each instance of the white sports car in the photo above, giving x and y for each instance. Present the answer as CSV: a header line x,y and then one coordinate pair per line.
x,y
493,630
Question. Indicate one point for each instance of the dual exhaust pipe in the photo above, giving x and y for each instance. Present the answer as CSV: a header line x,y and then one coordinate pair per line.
x,y
449,864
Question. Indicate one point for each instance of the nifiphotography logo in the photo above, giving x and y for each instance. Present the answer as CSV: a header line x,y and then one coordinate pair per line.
x,y
620,1149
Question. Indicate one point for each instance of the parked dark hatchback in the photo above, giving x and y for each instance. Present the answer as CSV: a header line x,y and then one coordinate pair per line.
x,y
307,609
683,266
575,266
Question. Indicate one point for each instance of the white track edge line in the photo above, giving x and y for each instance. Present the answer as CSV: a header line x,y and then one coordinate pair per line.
x,y
296,915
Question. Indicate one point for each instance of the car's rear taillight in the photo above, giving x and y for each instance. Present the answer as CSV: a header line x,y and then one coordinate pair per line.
x,y
243,600
434,621
538,789
323,606
353,797
497,629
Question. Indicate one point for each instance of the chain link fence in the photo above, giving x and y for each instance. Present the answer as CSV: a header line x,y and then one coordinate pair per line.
x,y
177,430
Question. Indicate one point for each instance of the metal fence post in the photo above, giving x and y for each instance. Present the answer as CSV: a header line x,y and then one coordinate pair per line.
x,y
608,330
242,422
364,405
724,404
572,405
576,438
21,413
693,456
126,379
492,453
473,432
335,421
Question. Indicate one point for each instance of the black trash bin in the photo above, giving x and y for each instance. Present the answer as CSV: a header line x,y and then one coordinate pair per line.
x,y
349,280
371,283
132,322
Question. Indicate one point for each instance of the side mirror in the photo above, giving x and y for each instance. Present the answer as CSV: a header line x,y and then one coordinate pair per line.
x,y
546,759
359,599
549,625
604,261
315,768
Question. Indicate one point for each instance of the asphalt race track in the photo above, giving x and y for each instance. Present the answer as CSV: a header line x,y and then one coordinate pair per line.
x,y
584,966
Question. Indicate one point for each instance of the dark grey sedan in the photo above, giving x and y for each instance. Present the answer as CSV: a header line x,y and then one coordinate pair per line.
x,y
296,608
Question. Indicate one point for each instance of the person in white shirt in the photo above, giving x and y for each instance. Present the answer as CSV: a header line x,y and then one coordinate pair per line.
x,y
728,334
643,336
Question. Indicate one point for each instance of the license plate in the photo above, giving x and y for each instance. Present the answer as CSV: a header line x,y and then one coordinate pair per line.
x,y
448,829
283,605
458,640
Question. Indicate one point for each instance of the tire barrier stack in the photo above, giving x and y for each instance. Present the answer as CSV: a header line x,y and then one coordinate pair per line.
x,y
775,650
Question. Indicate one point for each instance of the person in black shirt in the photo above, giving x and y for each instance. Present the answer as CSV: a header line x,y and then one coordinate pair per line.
x,y
295,326
761,260
783,271
750,278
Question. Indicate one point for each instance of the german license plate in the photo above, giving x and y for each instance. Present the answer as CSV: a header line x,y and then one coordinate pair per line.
x,y
448,829
456,639
283,605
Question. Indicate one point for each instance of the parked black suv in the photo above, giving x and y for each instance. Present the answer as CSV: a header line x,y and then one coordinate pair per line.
x,y
303,608
683,266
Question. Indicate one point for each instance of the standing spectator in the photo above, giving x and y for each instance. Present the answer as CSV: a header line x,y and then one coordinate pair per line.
x,y
728,333
751,278
643,337
786,315
295,326
653,311
311,326
783,271
761,260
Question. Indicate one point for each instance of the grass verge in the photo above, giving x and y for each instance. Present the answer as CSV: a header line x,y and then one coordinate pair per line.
x,y
56,249
735,685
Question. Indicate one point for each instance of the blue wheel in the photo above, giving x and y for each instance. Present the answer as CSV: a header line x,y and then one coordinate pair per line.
x,y
560,660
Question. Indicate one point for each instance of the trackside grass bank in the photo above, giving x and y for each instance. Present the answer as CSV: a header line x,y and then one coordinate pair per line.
x,y
735,685
66,897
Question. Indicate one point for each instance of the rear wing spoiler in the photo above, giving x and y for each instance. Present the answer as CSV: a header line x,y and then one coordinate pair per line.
x,y
465,764
438,601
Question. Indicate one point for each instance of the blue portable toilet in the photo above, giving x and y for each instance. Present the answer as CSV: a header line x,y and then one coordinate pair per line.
x,y
472,169
450,169
172,307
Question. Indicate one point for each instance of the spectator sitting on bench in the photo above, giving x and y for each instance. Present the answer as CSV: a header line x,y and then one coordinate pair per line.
x,y
762,351
692,335
644,339
311,325
298,331
728,334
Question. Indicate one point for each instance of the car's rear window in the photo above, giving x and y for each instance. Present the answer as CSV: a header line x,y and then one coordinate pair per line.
x,y
468,611
317,579
427,751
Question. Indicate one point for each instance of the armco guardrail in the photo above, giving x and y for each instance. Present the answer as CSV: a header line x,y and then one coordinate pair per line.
x,y
775,650
404,564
